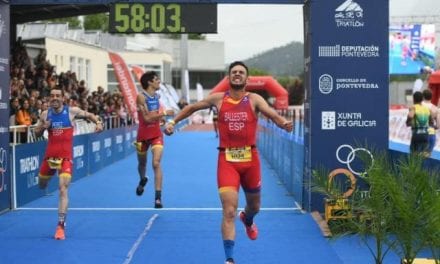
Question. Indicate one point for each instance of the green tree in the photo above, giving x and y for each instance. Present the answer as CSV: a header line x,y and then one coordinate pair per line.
x,y
257,72
96,22
74,22
195,36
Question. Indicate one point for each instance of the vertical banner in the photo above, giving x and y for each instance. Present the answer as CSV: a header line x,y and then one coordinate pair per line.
x,y
5,164
126,83
347,84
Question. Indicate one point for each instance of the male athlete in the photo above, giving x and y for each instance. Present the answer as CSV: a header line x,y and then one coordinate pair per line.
x,y
149,133
419,119
238,158
58,120
434,112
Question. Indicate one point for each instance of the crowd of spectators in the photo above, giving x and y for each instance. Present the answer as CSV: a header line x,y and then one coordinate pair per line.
x,y
32,80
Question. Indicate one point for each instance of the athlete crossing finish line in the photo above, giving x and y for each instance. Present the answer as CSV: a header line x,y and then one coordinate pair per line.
x,y
149,133
238,158
58,121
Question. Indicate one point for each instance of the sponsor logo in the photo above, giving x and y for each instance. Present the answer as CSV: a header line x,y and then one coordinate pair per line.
x,y
107,142
96,146
29,164
119,139
331,120
327,83
79,164
4,129
127,136
349,14
328,120
346,51
78,151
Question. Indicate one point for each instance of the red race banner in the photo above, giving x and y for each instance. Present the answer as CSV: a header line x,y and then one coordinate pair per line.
x,y
126,83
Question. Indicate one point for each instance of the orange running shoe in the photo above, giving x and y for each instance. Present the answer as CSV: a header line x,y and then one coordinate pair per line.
x,y
59,233
251,231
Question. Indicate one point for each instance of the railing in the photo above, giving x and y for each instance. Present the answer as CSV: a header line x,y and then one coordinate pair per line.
x,y
20,134
284,151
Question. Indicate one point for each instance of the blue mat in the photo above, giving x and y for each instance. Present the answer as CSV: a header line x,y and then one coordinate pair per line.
x,y
108,223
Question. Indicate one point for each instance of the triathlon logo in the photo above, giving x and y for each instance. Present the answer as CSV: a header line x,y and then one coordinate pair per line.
x,y
349,14
360,158
3,167
328,120
325,83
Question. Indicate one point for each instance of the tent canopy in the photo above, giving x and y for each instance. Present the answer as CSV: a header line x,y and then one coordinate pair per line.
x,y
434,78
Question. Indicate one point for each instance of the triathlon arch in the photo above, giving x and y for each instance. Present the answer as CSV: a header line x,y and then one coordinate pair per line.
x,y
258,83
346,75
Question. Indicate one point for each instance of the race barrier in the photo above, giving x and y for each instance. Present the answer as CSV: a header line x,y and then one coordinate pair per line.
x,y
285,153
91,152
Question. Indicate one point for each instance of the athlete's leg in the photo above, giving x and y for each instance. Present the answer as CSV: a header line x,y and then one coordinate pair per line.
x,y
44,175
251,183
228,181
64,198
157,151
65,176
253,202
142,162
142,166
229,200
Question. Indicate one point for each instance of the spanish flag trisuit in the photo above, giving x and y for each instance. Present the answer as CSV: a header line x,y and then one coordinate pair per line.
x,y
238,160
60,142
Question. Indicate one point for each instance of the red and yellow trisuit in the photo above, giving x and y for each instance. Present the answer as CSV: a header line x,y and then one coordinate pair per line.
x,y
58,154
238,160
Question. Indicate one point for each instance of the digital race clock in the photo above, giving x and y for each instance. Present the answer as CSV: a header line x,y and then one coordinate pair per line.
x,y
163,18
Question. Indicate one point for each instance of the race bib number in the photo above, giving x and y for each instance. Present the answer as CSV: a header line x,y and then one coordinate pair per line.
x,y
238,154
55,163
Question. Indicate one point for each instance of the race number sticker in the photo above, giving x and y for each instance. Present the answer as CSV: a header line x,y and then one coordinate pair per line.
x,y
243,154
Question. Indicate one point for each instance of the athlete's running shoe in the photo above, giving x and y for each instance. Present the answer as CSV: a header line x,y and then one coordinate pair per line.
x,y
230,261
140,188
251,231
158,204
59,233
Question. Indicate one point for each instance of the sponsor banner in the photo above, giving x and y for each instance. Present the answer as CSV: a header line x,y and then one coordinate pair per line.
x,y
80,156
89,152
347,84
126,83
28,159
5,172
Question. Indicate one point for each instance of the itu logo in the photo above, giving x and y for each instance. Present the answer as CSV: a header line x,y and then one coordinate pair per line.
x,y
361,158
325,83
349,14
